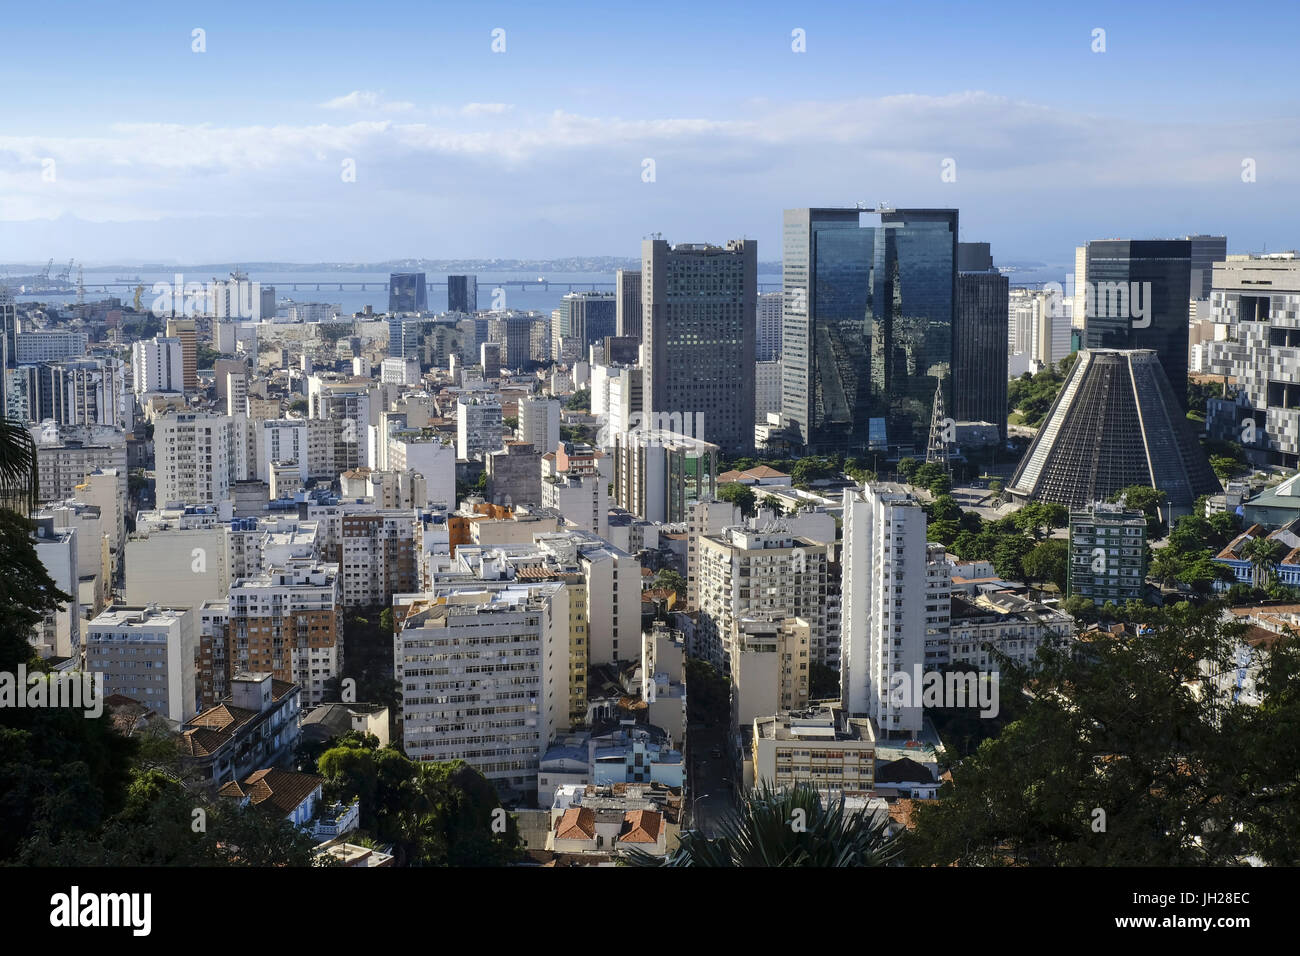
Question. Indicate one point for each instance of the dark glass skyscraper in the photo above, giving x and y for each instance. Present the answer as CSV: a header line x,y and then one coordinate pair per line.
x,y
406,292
588,316
1206,251
462,293
1137,298
979,347
868,316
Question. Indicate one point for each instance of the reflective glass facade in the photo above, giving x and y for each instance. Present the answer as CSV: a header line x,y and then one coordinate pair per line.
x,y
406,292
868,323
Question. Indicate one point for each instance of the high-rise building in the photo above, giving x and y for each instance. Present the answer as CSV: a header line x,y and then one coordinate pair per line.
x,y
980,342
1137,298
627,290
513,331
462,294
197,457
1255,300
407,293
1107,554
49,345
768,320
1206,251
514,475
895,596
66,454
751,569
146,654
868,325
508,646
479,426
1117,422
587,318
539,422
660,475
186,332
698,334
8,343
157,365
573,485
285,621
240,298
74,392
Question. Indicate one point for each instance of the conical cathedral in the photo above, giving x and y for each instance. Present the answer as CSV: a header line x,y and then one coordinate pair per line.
x,y
1116,422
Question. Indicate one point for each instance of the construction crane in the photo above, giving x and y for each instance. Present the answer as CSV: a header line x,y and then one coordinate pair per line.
x,y
44,277
138,290
66,274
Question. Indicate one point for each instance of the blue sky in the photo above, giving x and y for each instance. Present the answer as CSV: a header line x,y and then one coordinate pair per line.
x,y
161,153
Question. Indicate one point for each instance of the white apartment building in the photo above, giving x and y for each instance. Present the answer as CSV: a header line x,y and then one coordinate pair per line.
x,y
282,440
198,458
479,426
146,654
884,595
178,558
767,390
705,517
1000,622
157,365
48,345
826,748
59,635
770,666
539,423
399,371
431,457
484,677
659,475
349,406
756,568
66,455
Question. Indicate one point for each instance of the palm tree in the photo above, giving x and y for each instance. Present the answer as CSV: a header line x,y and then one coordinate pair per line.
x,y
786,827
19,489
1263,554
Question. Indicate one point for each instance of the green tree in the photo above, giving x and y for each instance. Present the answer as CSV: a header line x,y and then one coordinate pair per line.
x,y
19,480
579,401
1183,773
1008,555
742,496
27,592
764,832
672,580
1048,562
907,468
1264,554
1147,500
773,503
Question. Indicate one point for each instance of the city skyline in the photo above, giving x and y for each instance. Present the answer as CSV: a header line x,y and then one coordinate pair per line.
x,y
236,153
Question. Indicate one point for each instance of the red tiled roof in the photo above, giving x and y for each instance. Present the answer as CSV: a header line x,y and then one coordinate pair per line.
x,y
640,826
285,789
577,823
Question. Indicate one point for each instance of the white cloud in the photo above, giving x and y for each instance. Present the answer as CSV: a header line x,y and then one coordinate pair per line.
x,y
367,100
482,109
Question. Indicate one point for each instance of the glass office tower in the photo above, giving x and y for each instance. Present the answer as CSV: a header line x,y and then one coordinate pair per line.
x,y
462,294
406,292
868,316
1121,315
